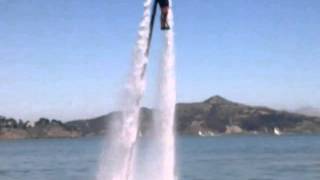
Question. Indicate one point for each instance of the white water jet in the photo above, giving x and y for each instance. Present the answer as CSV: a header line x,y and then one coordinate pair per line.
x,y
118,158
118,161
164,116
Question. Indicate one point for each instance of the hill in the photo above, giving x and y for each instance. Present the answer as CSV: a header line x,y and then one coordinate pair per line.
x,y
216,115
309,111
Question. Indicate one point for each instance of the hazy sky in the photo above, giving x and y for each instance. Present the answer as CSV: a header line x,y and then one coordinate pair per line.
x,y
67,59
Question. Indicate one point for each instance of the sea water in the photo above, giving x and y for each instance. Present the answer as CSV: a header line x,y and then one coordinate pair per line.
x,y
261,157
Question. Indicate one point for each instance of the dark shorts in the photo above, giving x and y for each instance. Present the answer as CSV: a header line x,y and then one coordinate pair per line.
x,y
164,3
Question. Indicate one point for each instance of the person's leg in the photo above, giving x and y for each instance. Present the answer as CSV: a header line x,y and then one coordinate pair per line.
x,y
165,10
164,5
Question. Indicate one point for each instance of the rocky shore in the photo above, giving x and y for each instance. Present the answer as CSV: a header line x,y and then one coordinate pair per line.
x,y
215,115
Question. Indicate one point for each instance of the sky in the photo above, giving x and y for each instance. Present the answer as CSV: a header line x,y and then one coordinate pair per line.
x,y
68,59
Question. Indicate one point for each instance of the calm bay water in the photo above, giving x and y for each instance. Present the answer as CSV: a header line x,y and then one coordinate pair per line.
x,y
215,158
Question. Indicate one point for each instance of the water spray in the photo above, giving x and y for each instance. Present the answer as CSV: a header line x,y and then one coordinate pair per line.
x,y
118,161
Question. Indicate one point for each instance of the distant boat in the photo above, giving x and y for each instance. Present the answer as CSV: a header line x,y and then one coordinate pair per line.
x,y
277,131
200,133
208,133
211,133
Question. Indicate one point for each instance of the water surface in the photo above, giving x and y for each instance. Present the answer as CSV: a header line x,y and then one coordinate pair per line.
x,y
213,158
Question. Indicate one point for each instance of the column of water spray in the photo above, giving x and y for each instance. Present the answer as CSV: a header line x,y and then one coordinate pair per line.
x,y
118,158
165,111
